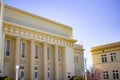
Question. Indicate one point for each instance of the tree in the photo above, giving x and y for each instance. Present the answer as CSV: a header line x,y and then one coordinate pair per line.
x,y
94,74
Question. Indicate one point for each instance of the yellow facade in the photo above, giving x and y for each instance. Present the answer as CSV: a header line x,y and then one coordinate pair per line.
x,y
43,49
107,59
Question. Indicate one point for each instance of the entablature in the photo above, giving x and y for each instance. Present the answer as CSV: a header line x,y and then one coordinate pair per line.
x,y
19,30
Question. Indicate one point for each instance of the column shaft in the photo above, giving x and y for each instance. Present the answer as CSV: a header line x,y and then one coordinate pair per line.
x,y
2,54
45,66
32,56
56,63
17,57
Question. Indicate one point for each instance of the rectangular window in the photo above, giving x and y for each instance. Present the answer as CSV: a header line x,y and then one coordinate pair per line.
x,y
113,57
7,48
115,74
36,51
77,59
22,50
36,74
21,73
104,58
48,53
105,75
59,55
74,59
48,73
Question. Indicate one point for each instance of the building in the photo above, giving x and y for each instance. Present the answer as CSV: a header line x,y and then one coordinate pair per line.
x,y
79,60
107,59
43,49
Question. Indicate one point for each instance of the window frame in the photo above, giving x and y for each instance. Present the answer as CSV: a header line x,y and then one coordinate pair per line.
x,y
36,51
48,72
113,57
105,75
48,53
36,71
6,47
22,69
59,54
22,50
115,74
104,58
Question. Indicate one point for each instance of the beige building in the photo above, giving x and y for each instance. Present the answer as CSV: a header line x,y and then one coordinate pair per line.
x,y
107,59
79,60
43,49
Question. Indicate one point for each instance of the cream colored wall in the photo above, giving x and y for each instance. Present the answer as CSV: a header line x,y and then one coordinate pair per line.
x,y
97,57
9,60
69,51
109,65
79,66
11,15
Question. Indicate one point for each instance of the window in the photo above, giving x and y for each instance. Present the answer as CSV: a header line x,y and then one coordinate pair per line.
x,y
21,73
74,59
7,48
115,74
77,59
48,53
22,50
113,56
36,51
59,54
48,73
36,74
104,58
105,75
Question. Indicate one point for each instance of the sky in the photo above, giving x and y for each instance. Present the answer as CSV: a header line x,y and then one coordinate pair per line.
x,y
94,22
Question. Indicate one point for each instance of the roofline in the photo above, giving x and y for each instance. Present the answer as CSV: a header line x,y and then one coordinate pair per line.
x,y
106,46
37,16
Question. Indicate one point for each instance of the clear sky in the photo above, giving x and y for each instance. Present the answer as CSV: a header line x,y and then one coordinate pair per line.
x,y
94,22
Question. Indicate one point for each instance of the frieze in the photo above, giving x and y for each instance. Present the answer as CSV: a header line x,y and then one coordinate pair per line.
x,y
20,31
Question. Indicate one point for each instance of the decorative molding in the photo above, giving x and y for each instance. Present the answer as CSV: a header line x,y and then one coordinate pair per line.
x,y
16,30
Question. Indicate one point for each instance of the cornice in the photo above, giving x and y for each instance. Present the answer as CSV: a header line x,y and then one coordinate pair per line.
x,y
23,31
104,47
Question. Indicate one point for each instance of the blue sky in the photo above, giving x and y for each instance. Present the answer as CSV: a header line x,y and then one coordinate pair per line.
x,y
94,22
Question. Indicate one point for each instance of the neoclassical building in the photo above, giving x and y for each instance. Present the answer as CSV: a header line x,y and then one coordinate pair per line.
x,y
106,58
43,49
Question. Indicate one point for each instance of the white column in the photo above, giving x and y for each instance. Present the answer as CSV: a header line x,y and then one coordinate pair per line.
x,y
17,57
1,36
32,57
45,66
56,63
